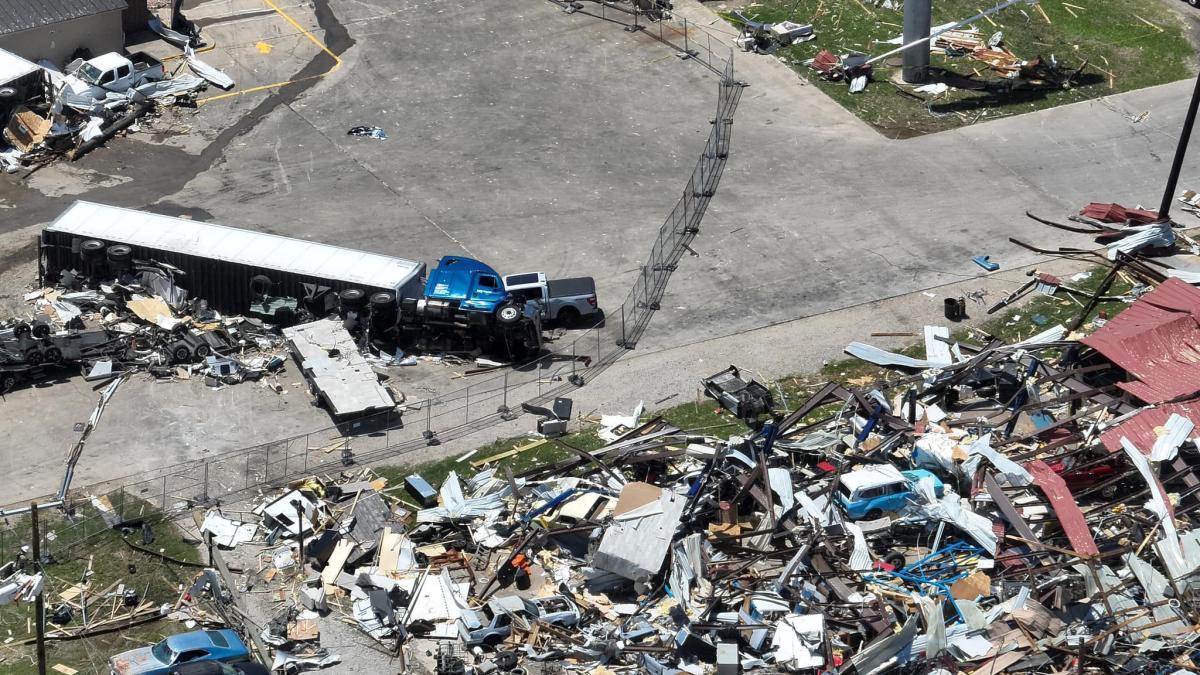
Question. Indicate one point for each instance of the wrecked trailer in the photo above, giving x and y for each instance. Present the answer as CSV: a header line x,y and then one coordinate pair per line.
x,y
229,267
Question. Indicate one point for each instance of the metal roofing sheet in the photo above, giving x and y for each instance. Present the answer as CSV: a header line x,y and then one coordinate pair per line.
x,y
1063,503
1143,428
19,15
13,67
257,249
1157,340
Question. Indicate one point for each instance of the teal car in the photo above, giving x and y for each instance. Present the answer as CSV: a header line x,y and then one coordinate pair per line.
x,y
198,645
869,492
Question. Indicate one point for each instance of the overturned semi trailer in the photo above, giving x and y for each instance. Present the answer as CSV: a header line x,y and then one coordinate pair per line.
x,y
229,267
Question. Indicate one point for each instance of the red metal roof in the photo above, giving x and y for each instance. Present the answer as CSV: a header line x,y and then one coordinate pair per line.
x,y
1139,429
1065,508
1115,213
1157,341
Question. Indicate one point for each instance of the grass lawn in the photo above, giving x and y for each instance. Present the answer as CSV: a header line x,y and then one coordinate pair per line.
x,y
1127,44
110,560
1028,316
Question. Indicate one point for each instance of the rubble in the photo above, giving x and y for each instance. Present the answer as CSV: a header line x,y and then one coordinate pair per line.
x,y
991,507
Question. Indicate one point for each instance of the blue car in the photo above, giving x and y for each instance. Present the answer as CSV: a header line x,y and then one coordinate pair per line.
x,y
198,645
869,492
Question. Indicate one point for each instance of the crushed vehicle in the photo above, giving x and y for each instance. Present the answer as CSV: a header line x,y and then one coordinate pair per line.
x,y
869,492
112,72
201,645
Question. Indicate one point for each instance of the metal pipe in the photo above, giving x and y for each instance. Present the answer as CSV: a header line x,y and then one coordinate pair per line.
x,y
1185,135
917,24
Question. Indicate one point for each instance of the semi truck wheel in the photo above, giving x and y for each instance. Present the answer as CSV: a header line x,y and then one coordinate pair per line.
x,y
508,313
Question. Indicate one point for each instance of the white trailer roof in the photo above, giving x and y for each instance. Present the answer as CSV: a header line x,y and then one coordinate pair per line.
x,y
13,67
258,249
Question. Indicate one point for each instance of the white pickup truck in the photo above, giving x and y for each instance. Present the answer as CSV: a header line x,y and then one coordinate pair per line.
x,y
112,72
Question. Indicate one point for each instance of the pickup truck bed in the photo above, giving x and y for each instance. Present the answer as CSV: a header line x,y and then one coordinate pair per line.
x,y
561,288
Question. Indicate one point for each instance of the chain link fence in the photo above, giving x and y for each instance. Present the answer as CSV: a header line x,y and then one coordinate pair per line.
x,y
244,474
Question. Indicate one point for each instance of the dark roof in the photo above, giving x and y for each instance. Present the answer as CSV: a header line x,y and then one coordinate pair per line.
x,y
19,15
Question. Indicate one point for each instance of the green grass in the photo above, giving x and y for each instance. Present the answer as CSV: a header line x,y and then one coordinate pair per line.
x,y
1122,52
155,580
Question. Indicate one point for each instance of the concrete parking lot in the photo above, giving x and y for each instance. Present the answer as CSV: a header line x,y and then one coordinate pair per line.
x,y
538,140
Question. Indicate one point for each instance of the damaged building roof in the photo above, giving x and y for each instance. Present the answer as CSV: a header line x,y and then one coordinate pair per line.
x,y
19,15
1156,341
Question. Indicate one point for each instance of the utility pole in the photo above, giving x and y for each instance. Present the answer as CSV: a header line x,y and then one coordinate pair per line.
x,y
1185,135
918,19
40,604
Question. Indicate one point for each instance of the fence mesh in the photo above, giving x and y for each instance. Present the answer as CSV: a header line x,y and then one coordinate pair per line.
x,y
243,474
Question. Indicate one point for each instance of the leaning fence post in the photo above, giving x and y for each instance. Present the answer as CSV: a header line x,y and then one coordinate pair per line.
x,y
623,342
504,395
686,49
163,503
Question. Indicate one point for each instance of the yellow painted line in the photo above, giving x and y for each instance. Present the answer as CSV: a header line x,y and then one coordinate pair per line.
x,y
337,62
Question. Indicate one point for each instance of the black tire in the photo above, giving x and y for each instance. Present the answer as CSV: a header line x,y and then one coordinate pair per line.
x,y
119,253
53,355
91,248
492,641
260,285
1110,491
383,299
352,298
568,316
203,351
33,357
1194,3
895,559
508,313
41,331
8,93
21,330
873,514
7,382
181,354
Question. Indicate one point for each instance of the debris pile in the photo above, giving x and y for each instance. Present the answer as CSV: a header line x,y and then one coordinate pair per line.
x,y
50,110
137,320
1020,507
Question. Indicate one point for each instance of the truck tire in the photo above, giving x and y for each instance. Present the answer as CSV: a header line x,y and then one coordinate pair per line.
x,y
568,316
21,330
352,298
33,357
895,559
203,351
260,285
119,253
91,248
41,331
383,299
7,382
508,313
53,355
181,354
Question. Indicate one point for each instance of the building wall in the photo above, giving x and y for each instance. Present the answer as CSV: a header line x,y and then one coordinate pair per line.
x,y
100,33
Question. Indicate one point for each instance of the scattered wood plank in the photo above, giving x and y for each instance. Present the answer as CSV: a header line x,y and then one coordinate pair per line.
x,y
509,453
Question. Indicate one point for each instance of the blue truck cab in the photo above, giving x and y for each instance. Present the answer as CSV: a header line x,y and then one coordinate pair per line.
x,y
869,492
464,285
